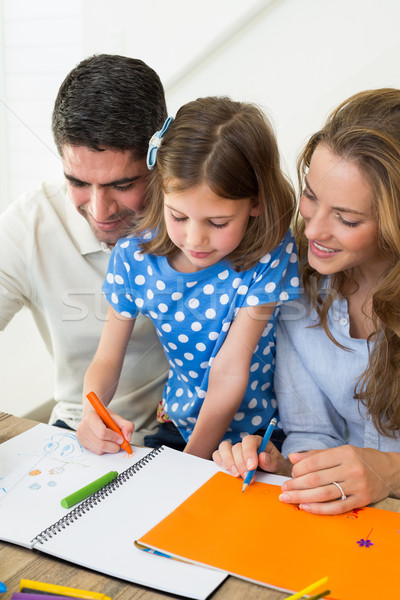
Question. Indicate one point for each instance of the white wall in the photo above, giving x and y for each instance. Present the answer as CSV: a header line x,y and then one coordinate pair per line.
x,y
43,40
296,58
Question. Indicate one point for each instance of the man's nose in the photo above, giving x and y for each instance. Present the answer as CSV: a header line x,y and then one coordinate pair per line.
x,y
101,204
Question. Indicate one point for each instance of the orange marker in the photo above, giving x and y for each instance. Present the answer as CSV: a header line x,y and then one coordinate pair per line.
x,y
107,419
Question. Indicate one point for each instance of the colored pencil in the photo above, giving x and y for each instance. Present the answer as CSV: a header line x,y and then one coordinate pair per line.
x,y
320,595
262,447
33,595
59,590
306,590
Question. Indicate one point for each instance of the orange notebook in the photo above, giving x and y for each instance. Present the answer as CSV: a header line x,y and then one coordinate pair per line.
x,y
256,537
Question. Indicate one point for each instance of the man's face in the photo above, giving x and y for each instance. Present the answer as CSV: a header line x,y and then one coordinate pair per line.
x,y
107,187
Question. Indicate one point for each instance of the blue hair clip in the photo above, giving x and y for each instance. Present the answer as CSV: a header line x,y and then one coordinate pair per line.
x,y
155,143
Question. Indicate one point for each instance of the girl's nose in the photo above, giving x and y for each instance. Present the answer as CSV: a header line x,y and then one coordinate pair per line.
x,y
195,235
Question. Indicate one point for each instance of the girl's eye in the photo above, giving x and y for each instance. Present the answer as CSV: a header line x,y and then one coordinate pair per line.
x,y
347,223
177,219
218,225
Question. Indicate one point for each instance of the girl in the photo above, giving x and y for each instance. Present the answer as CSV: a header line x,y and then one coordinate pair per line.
x,y
210,263
337,376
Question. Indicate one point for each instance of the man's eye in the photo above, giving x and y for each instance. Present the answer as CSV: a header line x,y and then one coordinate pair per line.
x,y
76,184
123,188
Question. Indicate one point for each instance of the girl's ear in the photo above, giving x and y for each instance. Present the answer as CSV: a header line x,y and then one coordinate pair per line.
x,y
255,210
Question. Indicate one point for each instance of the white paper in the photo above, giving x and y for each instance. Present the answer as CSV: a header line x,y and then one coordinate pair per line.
x,y
43,465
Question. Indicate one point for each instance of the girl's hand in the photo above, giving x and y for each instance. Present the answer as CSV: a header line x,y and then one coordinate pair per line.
x,y
95,436
243,457
364,474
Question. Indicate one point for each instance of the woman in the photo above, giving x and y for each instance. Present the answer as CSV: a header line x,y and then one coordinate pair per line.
x,y
337,376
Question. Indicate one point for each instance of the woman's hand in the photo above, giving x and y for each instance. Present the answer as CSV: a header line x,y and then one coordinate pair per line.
x,y
365,475
243,457
95,436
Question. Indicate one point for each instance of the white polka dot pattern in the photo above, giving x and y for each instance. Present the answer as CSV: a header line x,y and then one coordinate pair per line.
x,y
193,313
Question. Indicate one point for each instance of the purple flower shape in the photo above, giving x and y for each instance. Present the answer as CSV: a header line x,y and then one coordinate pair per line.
x,y
365,543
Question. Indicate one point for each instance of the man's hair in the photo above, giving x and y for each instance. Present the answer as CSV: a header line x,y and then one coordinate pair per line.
x,y
109,101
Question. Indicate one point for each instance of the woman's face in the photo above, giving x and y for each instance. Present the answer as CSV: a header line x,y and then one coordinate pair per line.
x,y
336,205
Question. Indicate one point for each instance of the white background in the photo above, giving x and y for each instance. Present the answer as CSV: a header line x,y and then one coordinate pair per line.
x,y
297,59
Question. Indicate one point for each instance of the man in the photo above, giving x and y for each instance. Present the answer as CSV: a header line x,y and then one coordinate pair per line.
x,y
55,242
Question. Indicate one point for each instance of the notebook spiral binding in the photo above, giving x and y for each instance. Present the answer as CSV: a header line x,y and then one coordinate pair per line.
x,y
94,499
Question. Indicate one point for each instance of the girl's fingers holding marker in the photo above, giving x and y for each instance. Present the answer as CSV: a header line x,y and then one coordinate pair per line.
x,y
94,435
126,427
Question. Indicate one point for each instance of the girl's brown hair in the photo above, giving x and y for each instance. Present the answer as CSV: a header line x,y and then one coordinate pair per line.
x,y
231,147
365,129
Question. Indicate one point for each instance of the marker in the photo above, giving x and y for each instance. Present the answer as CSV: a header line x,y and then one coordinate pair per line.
x,y
88,490
107,419
317,596
32,595
309,588
3,587
27,585
262,447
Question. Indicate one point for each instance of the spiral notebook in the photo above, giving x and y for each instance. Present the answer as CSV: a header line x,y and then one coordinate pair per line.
x,y
44,464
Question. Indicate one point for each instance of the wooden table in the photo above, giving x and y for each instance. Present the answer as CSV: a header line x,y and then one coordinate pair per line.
x,y
18,563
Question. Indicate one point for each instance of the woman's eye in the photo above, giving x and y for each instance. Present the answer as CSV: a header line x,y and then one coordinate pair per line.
x,y
307,194
347,223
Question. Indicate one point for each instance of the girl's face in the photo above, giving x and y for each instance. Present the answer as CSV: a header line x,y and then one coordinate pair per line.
x,y
336,206
204,226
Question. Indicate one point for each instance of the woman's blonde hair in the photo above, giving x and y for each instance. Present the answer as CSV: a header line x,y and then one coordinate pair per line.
x,y
231,147
365,129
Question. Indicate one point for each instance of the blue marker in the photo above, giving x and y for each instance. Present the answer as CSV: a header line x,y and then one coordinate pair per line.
x,y
262,447
3,587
